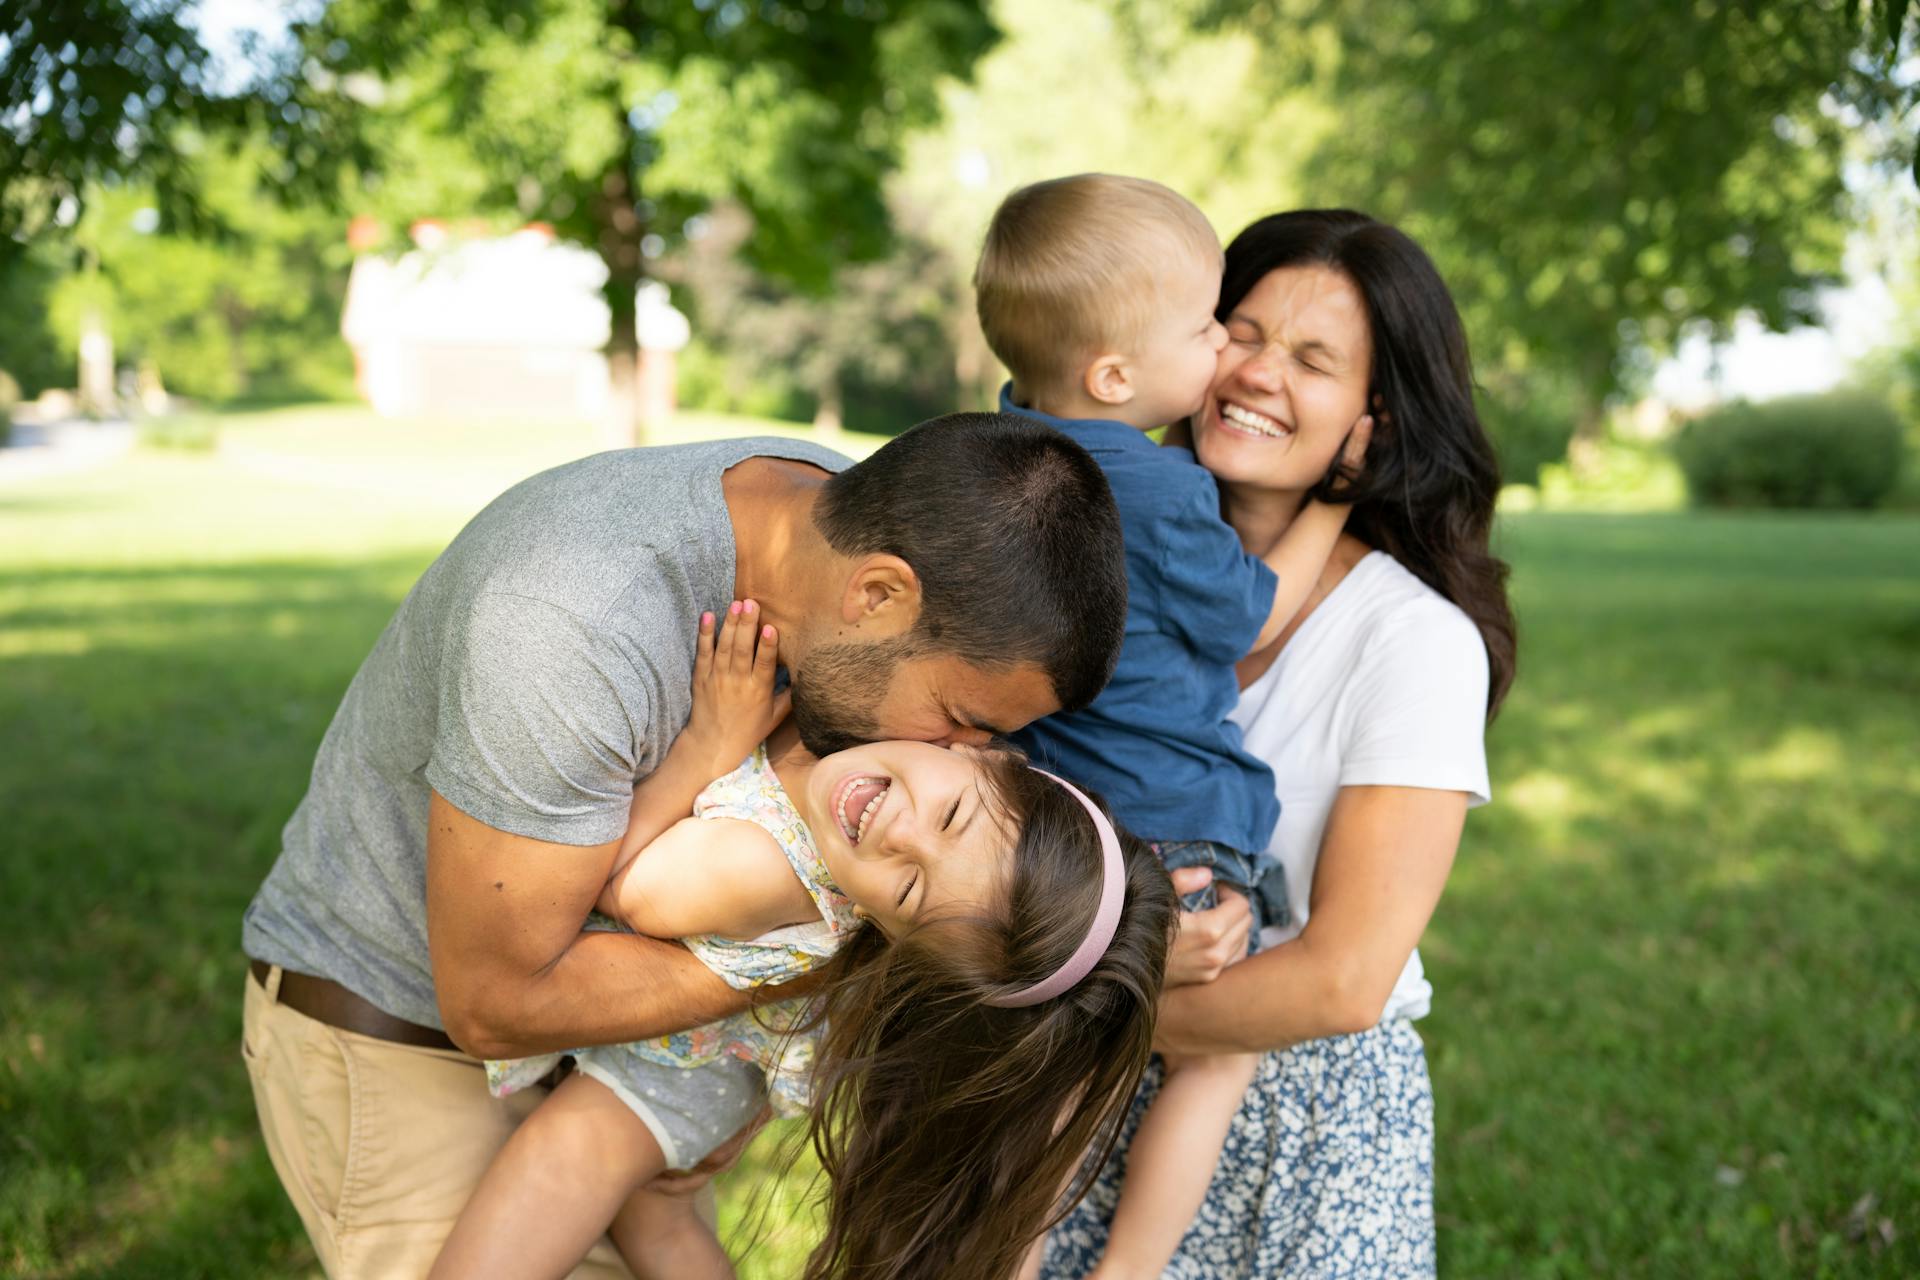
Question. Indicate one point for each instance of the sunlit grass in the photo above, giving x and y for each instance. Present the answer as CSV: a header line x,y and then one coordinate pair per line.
x,y
1676,1028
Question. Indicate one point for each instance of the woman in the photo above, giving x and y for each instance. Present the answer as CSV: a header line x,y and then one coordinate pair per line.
x,y
1371,708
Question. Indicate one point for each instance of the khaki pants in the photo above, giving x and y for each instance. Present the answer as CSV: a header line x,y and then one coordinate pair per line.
x,y
378,1144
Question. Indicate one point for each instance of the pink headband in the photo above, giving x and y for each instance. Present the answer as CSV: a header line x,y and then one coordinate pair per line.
x,y
1106,918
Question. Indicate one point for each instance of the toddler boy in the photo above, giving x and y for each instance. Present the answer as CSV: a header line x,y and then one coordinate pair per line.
x,y
1098,294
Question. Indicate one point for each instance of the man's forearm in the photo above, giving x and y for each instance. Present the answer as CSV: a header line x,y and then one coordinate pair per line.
x,y
606,988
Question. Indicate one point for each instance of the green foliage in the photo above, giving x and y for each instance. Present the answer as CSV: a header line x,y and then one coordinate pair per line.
x,y
1843,449
618,126
185,432
1613,474
9,397
1591,179
106,90
255,312
875,353
29,348
1531,416
710,381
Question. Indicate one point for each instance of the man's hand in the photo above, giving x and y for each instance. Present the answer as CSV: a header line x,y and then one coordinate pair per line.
x,y
1208,940
685,1183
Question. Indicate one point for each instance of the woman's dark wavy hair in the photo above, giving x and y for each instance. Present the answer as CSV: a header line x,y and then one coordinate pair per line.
x,y
947,1127
1426,491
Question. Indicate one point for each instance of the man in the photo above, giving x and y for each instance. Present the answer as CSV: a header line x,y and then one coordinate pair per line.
x,y
466,803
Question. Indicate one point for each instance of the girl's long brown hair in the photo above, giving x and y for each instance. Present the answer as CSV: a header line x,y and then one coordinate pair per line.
x,y
947,1127
1426,491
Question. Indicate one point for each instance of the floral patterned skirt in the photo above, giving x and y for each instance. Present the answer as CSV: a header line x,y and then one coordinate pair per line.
x,y
1328,1171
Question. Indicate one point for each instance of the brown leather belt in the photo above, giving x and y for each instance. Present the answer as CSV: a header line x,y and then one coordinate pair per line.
x,y
325,1000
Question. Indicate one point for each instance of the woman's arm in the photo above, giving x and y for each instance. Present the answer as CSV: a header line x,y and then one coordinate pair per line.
x,y
1383,861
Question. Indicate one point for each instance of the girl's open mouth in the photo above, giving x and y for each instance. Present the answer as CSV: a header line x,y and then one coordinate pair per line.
x,y
857,800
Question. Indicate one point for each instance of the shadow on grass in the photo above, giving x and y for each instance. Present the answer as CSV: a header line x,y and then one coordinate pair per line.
x,y
1676,1028
148,776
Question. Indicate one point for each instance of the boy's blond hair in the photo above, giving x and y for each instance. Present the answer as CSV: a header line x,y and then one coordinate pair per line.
x,y
1071,268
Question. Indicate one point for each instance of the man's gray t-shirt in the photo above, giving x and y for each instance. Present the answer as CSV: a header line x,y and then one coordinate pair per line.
x,y
538,668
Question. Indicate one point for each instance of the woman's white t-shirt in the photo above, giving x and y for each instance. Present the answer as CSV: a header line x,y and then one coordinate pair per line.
x,y
1384,684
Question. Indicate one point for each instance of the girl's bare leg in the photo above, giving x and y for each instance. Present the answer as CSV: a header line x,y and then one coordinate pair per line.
x,y
1172,1160
554,1188
662,1238
1030,1266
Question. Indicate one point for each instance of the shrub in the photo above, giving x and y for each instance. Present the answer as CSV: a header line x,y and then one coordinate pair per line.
x,y
188,433
1842,449
1530,417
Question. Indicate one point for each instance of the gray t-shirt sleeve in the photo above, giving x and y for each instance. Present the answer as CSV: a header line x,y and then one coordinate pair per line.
x,y
538,719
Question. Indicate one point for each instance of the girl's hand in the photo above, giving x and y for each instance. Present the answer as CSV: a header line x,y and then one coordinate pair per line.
x,y
734,705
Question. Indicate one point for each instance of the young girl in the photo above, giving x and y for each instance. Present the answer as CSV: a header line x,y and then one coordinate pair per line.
x,y
990,951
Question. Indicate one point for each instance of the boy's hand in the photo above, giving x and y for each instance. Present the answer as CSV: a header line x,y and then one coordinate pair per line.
x,y
1353,457
1208,940
734,705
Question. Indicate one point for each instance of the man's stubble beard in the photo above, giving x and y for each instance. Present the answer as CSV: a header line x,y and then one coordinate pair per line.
x,y
834,696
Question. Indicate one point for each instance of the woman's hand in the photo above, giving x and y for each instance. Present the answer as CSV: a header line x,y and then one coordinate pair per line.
x,y
734,705
1383,861
1208,940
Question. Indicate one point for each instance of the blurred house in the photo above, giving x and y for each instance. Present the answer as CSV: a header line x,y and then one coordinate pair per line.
x,y
507,326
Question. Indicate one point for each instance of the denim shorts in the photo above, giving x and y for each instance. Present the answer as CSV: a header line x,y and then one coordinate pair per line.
x,y
1265,887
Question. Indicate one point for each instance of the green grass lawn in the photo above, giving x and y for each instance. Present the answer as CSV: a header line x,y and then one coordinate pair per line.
x,y
1677,1026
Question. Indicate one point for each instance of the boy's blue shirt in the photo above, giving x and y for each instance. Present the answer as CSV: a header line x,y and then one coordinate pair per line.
x,y
1157,742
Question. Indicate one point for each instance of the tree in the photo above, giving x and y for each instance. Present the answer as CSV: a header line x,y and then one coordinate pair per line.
x,y
612,120
874,354
97,90
1592,179
618,122
254,312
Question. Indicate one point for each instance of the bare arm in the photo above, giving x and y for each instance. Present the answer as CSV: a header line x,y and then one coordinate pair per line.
x,y
734,708
1300,554
1383,862
720,876
512,971
1297,559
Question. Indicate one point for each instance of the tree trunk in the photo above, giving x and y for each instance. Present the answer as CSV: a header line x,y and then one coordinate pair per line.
x,y
96,365
975,367
620,231
829,413
1590,427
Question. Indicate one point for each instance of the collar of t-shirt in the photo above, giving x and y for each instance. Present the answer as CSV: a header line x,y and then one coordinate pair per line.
x,y
1096,435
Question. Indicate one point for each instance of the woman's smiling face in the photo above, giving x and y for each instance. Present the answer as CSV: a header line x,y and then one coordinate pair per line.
x,y
909,830
1291,382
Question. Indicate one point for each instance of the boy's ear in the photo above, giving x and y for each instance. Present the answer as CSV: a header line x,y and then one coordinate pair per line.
x,y
882,596
1108,380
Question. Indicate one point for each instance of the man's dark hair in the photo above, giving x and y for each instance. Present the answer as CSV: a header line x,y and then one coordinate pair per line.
x,y
1014,535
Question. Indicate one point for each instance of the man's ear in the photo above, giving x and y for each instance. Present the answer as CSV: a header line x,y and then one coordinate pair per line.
x,y
1108,380
882,596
